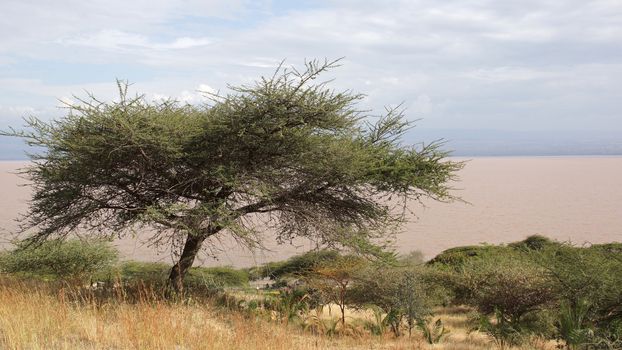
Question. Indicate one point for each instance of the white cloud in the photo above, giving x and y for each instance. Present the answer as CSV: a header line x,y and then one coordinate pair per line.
x,y
422,105
18,111
206,89
467,63
504,74
66,101
185,43
200,95
118,40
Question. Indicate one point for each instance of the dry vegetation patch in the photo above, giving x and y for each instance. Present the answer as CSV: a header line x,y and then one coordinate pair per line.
x,y
40,317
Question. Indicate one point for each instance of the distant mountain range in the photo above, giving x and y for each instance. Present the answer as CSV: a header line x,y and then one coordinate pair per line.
x,y
12,148
522,143
469,143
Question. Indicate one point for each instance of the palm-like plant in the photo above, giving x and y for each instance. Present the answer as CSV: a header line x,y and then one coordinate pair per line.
x,y
433,332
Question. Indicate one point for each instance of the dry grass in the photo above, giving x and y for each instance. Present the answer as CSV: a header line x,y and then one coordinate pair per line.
x,y
36,317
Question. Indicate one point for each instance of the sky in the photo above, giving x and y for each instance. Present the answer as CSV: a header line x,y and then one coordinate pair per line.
x,y
476,70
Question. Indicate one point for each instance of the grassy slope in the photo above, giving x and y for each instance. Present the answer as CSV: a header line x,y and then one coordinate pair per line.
x,y
33,318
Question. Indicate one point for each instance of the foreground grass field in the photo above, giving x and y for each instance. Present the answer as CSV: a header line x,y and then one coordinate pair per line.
x,y
36,316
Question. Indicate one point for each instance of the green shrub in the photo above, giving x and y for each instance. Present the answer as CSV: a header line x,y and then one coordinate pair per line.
x,y
513,286
148,272
458,256
157,273
303,264
71,259
400,291
588,281
433,331
222,276
534,242
265,271
502,332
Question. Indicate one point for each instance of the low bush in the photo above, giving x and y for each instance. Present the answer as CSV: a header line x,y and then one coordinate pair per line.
x,y
148,272
458,256
401,292
302,264
222,276
72,259
512,288
588,281
534,242
157,273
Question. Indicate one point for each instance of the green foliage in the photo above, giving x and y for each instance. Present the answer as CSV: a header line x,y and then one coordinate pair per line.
x,y
614,249
331,279
458,256
587,281
302,264
285,149
156,273
72,259
150,272
379,323
510,284
572,325
222,276
411,298
266,270
433,332
539,286
534,242
291,304
503,333
400,291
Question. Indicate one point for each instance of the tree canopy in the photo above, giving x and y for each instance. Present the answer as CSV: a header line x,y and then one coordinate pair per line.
x,y
286,152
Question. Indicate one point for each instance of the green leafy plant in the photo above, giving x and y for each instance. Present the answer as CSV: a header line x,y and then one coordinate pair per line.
x,y
70,260
502,333
572,323
433,332
509,285
287,148
379,323
291,304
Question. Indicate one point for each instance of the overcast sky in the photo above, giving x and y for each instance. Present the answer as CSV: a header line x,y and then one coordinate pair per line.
x,y
488,64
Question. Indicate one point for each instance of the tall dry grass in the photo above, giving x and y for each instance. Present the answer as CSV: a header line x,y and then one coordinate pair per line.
x,y
36,316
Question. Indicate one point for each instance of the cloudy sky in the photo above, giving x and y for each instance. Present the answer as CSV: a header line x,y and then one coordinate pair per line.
x,y
489,66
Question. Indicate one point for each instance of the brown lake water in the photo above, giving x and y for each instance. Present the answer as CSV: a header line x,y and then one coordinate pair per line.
x,y
576,199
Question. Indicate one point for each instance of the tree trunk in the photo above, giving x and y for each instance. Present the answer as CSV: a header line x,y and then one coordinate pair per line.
x,y
342,305
190,251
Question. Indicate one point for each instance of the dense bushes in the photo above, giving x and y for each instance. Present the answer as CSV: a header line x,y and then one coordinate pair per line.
x,y
157,273
79,261
301,264
509,283
535,288
60,259
221,276
588,282
540,287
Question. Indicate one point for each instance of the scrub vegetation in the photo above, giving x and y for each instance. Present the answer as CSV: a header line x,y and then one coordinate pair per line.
x,y
289,154
515,296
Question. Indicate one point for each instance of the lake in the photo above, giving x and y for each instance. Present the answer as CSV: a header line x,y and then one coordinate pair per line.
x,y
576,199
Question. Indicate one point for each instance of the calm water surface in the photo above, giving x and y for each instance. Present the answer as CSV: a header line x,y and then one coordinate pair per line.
x,y
567,198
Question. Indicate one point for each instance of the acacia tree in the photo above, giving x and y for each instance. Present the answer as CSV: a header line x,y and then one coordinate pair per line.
x,y
333,278
287,151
